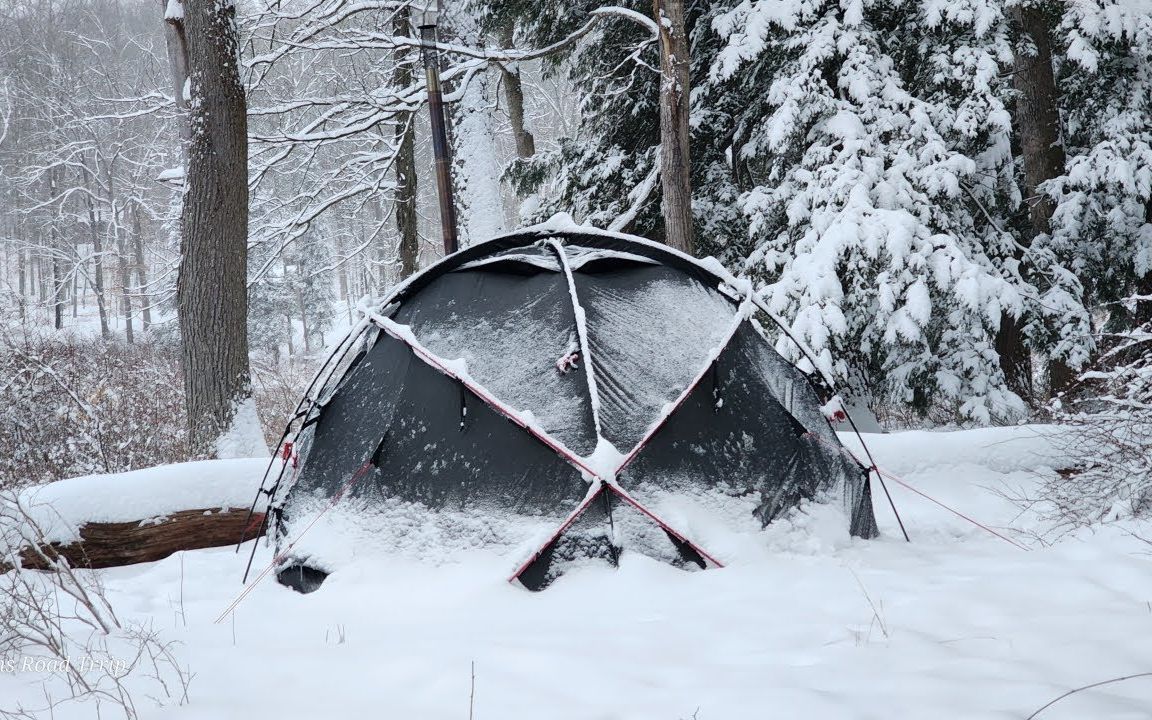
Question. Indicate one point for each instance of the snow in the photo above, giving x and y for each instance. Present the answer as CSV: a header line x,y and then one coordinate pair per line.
x,y
605,460
804,622
457,368
478,163
245,436
62,507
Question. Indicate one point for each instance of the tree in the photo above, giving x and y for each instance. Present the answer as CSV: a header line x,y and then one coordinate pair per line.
x,y
1102,217
881,200
406,179
513,86
605,172
675,93
1037,120
212,294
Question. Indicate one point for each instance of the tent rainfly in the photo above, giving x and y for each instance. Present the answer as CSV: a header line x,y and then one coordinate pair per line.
x,y
569,376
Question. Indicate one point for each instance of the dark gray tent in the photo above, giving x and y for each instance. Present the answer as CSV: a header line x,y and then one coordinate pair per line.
x,y
567,376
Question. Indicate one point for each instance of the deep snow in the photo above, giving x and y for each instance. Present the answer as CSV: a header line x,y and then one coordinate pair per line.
x,y
965,625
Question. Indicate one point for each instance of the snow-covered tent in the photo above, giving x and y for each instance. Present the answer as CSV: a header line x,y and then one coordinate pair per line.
x,y
575,380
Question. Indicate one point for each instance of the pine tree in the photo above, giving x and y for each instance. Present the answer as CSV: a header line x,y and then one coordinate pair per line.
x,y
882,173
1103,215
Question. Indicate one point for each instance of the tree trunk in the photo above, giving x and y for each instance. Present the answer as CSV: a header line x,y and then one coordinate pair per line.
x,y
21,269
55,250
1143,311
211,289
114,544
1037,113
176,40
405,196
97,252
291,330
1038,125
125,268
514,97
141,270
303,320
675,164
1015,359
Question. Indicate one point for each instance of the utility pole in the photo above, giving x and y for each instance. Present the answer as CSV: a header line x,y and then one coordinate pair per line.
x,y
428,21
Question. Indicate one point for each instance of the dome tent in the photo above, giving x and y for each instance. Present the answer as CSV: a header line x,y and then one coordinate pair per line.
x,y
572,379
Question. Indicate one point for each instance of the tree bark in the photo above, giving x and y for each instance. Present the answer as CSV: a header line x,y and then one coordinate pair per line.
x,y
21,269
303,318
1038,126
1142,313
405,195
124,265
1037,113
113,544
514,97
211,289
1015,358
176,40
675,161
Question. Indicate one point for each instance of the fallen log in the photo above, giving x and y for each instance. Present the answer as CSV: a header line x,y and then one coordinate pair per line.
x,y
112,544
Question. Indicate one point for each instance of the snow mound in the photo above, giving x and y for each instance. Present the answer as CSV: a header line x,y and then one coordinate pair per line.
x,y
1002,450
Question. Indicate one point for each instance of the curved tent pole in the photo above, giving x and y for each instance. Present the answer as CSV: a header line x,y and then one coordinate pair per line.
x,y
300,411
328,366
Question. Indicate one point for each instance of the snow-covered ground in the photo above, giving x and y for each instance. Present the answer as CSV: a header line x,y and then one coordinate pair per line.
x,y
803,623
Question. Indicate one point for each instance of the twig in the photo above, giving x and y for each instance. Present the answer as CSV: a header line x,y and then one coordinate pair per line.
x,y
1087,687
472,692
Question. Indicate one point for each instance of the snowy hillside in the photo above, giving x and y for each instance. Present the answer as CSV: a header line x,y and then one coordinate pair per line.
x,y
805,622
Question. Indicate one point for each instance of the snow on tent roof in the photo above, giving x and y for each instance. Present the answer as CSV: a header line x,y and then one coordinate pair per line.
x,y
557,374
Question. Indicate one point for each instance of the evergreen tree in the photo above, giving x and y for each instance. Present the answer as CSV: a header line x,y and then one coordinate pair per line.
x,y
615,73
1103,216
883,192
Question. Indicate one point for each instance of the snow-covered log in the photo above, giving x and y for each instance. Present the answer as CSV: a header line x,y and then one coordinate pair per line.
x,y
145,515
105,544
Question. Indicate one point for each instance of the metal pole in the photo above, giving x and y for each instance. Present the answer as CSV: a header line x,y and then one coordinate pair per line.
x,y
439,131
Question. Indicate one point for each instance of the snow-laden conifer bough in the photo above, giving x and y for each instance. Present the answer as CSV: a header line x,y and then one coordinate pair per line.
x,y
568,392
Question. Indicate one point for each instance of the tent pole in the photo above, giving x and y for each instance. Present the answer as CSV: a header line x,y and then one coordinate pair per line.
x,y
440,147
875,468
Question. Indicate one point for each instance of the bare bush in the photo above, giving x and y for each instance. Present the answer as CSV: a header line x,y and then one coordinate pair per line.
x,y
277,384
74,406
60,627
1111,419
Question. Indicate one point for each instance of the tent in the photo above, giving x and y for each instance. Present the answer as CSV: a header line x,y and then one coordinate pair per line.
x,y
590,382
